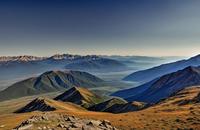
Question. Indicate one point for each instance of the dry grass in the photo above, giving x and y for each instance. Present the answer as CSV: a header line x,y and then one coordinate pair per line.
x,y
166,115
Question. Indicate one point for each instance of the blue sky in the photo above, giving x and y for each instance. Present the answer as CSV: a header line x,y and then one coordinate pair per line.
x,y
113,27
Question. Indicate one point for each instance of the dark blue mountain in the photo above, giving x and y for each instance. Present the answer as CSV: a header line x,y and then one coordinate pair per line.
x,y
155,72
163,87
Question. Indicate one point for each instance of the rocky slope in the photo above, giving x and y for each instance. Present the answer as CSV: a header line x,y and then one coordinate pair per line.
x,y
63,122
155,72
80,96
50,81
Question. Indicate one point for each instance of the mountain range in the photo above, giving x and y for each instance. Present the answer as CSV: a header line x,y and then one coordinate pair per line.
x,y
50,81
16,68
162,87
155,72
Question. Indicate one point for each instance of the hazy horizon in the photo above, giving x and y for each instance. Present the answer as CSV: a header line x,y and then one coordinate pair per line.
x,y
100,27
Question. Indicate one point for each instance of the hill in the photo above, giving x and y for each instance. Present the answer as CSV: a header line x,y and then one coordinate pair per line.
x,y
116,105
49,82
155,72
80,96
46,104
107,104
164,86
167,114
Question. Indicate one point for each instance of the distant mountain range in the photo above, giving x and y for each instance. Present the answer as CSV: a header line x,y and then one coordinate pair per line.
x,y
17,68
98,64
162,87
155,72
50,81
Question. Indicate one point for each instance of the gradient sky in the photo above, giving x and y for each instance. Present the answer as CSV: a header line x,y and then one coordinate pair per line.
x,y
120,27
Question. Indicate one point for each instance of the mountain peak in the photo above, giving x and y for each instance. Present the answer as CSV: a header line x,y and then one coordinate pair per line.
x,y
38,104
197,57
80,96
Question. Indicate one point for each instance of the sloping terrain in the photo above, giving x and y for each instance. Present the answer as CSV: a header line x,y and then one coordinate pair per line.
x,y
49,82
116,105
164,86
107,104
168,114
155,72
80,96
38,104
47,104
63,122
124,93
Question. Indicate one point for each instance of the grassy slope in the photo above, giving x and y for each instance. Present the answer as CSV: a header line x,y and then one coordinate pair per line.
x,y
50,82
167,115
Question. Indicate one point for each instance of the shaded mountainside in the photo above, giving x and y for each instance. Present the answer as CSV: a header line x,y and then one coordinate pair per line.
x,y
133,91
39,104
107,104
46,104
80,96
155,72
49,82
117,105
164,86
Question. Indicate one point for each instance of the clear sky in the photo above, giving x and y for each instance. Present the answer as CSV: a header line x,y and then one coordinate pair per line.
x,y
113,27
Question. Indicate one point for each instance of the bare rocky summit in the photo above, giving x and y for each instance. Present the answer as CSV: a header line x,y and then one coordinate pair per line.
x,y
49,121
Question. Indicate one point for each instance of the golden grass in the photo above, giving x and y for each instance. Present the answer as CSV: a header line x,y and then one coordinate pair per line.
x,y
166,115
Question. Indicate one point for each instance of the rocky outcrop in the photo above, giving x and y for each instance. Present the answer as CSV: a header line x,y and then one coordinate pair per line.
x,y
63,122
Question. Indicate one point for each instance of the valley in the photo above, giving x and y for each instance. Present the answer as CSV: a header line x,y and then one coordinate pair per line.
x,y
87,97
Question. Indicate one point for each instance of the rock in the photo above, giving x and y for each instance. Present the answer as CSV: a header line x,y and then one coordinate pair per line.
x,y
70,119
94,123
61,125
77,125
64,122
25,127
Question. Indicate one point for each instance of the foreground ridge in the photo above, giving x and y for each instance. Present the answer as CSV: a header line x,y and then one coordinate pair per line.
x,y
63,122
